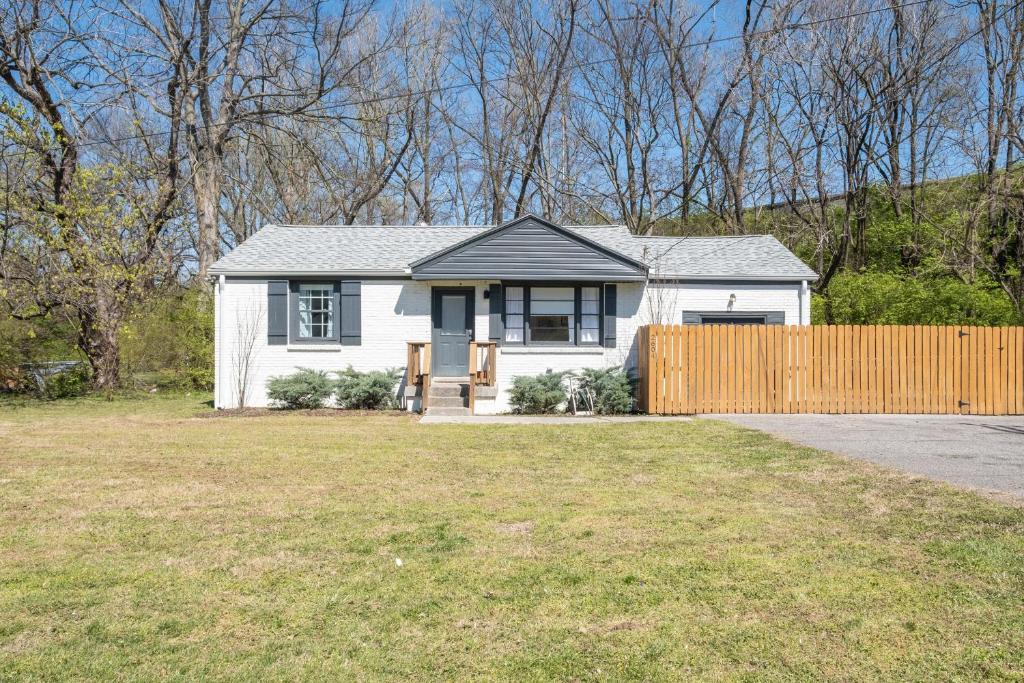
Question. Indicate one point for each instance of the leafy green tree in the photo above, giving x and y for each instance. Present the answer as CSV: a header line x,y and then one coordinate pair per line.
x,y
84,235
91,257
171,338
893,299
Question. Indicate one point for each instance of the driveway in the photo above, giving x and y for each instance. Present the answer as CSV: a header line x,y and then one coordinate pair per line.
x,y
971,451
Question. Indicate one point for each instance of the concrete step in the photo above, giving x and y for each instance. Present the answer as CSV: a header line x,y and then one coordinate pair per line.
x,y
446,401
432,410
448,389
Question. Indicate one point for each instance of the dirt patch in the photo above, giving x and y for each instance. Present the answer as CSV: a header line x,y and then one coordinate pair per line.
x,y
613,626
523,528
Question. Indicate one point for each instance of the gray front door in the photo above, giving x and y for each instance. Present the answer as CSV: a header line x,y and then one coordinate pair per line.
x,y
452,316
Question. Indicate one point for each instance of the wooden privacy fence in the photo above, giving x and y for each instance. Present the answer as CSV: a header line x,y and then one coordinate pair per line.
x,y
831,369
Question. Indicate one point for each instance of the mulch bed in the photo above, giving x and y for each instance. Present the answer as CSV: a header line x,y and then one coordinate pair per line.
x,y
318,412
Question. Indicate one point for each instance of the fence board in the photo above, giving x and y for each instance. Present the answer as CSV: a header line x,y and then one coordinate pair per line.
x,y
1017,353
877,400
920,374
830,369
977,345
952,379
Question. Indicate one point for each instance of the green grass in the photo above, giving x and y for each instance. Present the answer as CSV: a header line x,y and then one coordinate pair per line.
x,y
138,541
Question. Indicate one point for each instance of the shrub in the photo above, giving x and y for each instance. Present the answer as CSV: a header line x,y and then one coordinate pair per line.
x,y
62,379
604,391
893,299
37,341
538,393
303,389
169,340
14,380
67,383
367,390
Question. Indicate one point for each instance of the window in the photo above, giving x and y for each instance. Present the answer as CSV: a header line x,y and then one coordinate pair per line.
x,y
563,315
316,311
732,320
514,314
590,315
552,315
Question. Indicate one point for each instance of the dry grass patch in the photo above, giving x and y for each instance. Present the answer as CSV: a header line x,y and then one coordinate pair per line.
x,y
139,542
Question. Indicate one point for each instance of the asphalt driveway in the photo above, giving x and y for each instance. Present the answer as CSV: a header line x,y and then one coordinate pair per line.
x,y
976,452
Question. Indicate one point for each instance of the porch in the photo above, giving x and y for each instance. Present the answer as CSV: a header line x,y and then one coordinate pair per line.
x,y
456,395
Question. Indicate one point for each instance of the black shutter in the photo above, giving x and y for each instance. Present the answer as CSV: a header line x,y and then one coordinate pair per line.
x,y
277,312
336,307
497,308
351,313
610,307
775,317
691,317
577,314
293,306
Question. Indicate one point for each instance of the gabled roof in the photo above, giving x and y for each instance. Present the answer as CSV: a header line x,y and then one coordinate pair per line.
x,y
338,249
301,250
739,257
529,248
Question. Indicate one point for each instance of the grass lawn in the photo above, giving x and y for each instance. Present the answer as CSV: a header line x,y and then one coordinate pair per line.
x,y
140,541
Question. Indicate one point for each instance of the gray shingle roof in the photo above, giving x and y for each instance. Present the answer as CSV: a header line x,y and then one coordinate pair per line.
x,y
388,250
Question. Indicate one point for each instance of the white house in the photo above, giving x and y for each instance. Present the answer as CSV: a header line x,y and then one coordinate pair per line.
x,y
447,301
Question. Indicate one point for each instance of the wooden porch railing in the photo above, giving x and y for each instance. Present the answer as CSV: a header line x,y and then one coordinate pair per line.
x,y
417,369
486,357
483,358
482,368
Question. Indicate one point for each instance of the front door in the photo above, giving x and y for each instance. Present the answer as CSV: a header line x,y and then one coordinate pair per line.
x,y
452,323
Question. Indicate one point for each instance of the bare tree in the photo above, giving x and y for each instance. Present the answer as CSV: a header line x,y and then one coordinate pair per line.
x,y
621,111
995,232
248,329
242,64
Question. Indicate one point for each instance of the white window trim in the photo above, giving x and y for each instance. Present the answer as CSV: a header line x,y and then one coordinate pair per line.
x,y
576,317
554,350
314,341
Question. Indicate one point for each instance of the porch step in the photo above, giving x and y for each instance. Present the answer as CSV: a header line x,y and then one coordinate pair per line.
x,y
445,401
448,396
455,389
433,410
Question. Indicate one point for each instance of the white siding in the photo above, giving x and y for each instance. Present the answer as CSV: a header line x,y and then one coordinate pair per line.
x,y
397,311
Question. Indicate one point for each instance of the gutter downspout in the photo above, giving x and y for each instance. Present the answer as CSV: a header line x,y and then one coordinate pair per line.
x,y
801,296
218,339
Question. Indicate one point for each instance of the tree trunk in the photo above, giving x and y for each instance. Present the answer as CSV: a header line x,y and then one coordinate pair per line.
x,y
206,187
98,340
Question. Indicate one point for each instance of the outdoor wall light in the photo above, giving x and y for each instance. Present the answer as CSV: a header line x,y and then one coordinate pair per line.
x,y
732,302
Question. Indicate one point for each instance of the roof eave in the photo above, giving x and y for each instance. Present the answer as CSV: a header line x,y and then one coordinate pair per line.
x,y
235,272
554,277
736,278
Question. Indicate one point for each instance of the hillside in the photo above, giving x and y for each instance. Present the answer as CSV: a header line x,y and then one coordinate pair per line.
x,y
935,264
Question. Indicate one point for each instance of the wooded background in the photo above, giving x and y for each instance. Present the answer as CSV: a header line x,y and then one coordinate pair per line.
x,y
880,140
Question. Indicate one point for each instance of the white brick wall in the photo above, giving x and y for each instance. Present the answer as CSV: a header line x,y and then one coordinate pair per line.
x,y
397,311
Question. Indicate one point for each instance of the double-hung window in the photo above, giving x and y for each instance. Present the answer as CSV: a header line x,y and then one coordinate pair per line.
x,y
590,315
316,311
514,312
553,315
